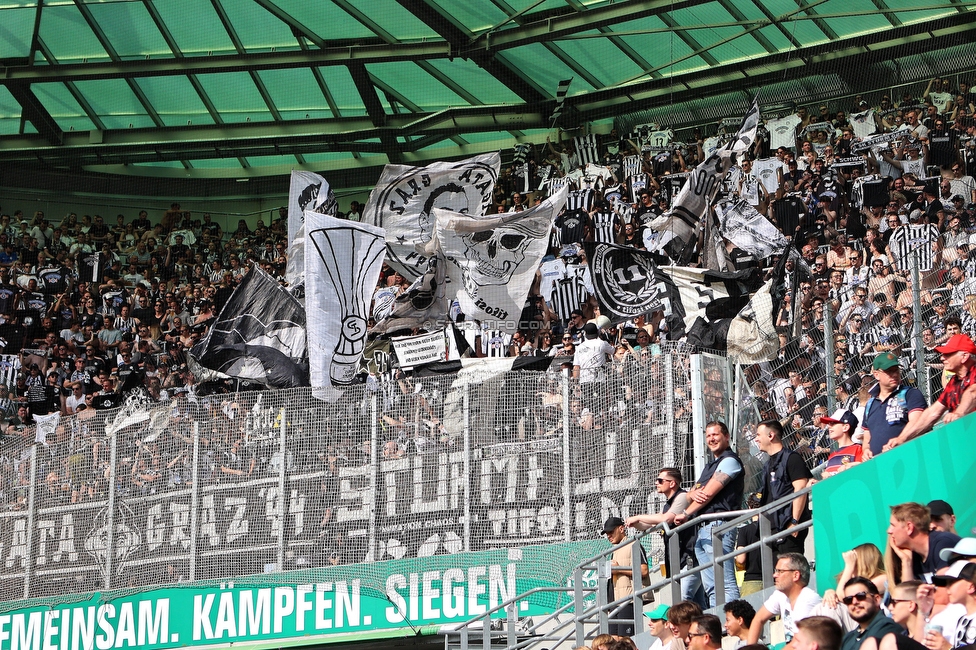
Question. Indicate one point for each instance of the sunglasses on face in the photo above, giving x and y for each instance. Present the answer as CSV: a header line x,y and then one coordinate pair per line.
x,y
860,596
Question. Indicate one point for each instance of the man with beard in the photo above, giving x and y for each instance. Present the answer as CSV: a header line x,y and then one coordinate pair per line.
x,y
864,605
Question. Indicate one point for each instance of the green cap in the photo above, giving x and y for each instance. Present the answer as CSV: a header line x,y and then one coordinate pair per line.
x,y
659,613
885,361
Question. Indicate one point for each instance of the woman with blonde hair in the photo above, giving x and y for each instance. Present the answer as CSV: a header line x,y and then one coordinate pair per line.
x,y
864,560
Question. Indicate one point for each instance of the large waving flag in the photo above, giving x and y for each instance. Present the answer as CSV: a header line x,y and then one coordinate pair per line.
x,y
307,191
259,335
491,261
682,221
405,198
343,260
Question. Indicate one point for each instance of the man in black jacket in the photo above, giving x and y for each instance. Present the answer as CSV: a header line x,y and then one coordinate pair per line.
x,y
783,474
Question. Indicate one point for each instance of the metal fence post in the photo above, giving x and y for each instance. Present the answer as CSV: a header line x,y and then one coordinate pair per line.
x,y
829,356
31,515
602,586
567,488
466,406
718,568
673,562
921,370
112,489
670,451
578,605
195,501
766,551
282,509
698,412
374,459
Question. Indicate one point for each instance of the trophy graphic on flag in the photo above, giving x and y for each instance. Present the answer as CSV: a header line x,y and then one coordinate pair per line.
x,y
351,256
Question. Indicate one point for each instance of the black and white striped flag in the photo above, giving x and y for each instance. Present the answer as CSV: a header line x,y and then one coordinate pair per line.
x,y
632,165
603,227
561,92
580,200
586,150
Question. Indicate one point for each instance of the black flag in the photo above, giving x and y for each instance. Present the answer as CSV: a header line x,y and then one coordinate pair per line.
x,y
259,335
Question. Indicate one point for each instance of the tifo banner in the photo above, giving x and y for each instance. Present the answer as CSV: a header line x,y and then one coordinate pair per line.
x,y
343,260
849,509
319,602
417,350
405,198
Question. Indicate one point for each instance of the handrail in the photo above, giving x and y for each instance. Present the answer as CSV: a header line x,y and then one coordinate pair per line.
x,y
603,610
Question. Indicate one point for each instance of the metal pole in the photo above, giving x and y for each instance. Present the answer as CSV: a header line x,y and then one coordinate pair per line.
x,y
921,374
374,445
466,405
510,624
673,550
579,605
603,584
670,451
637,581
829,356
567,488
282,449
718,568
110,536
195,501
31,514
698,412
766,551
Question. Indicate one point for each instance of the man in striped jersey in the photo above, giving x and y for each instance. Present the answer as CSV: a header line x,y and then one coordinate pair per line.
x,y
916,241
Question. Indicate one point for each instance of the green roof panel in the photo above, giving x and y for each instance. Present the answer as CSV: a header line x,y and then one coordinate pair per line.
x,y
804,31
130,29
195,26
82,44
15,37
416,85
9,113
63,107
601,58
296,94
395,20
476,81
258,29
343,88
325,19
475,16
175,100
909,11
544,68
235,97
115,103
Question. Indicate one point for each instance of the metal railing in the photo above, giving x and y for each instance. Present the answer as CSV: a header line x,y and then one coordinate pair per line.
x,y
601,611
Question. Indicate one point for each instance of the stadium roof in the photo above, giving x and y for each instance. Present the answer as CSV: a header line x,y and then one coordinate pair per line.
x,y
250,88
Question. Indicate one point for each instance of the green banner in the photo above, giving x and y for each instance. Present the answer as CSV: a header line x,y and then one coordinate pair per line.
x,y
342,600
854,507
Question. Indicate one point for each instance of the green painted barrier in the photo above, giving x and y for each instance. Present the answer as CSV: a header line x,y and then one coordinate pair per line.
x,y
379,600
853,507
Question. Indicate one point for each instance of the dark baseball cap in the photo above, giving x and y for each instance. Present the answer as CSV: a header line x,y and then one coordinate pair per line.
x,y
940,508
885,361
612,524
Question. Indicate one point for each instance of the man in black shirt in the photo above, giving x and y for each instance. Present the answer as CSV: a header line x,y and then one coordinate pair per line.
x,y
909,533
783,474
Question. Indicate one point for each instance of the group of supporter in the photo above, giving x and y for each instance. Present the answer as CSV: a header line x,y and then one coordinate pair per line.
x,y
918,593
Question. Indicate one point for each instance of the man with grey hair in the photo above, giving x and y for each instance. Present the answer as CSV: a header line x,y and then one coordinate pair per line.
x,y
793,600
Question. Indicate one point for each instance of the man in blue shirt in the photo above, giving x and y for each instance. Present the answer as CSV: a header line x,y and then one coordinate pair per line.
x,y
891,406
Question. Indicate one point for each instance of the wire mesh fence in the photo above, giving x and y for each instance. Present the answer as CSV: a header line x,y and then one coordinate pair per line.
x,y
247,484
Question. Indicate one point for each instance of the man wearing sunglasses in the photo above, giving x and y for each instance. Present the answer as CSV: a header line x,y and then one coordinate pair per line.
x,y
864,605
668,484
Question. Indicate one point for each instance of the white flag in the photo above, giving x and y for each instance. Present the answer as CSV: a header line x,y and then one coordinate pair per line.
x,y
405,197
491,261
307,191
343,260
745,227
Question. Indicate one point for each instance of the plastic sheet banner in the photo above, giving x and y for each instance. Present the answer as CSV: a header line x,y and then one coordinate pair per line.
x,y
853,507
429,591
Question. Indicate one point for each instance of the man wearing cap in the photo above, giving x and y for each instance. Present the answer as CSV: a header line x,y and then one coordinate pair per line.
x,y
943,517
841,427
621,582
959,581
658,626
965,549
891,405
959,396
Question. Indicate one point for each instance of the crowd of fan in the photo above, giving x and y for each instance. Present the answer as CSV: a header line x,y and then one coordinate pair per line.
x,y
98,311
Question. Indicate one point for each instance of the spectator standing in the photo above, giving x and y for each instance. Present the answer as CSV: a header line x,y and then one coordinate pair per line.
x,y
891,405
959,396
668,484
783,474
793,600
718,489
621,582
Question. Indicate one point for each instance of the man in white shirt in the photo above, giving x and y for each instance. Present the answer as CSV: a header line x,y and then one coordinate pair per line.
x,y
793,600
960,581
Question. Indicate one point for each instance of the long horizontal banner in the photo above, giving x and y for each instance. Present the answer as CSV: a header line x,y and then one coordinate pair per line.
x,y
316,602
